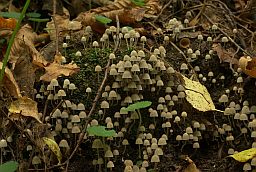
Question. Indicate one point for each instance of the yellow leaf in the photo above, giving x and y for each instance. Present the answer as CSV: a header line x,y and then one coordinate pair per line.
x,y
197,95
25,107
244,155
54,147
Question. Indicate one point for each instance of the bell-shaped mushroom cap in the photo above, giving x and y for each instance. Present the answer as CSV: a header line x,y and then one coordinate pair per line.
x,y
82,115
61,93
3,143
97,144
155,158
135,68
110,164
247,167
185,136
36,160
98,68
162,141
71,86
75,129
75,119
127,75
108,154
64,144
196,145
80,106
125,142
138,141
104,104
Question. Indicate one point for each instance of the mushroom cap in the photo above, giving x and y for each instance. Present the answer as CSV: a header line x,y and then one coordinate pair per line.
x,y
104,104
36,160
64,144
110,164
127,75
75,129
108,154
75,119
155,158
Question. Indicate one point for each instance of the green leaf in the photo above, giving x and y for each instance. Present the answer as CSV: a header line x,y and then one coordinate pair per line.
x,y
100,131
102,19
138,105
10,15
54,147
140,3
33,15
10,166
38,20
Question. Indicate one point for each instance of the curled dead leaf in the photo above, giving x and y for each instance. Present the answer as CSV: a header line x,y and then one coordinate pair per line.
x,y
26,107
54,70
64,25
127,12
23,47
248,65
10,83
224,55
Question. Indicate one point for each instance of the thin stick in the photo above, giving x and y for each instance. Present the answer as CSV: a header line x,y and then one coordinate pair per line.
x,y
56,27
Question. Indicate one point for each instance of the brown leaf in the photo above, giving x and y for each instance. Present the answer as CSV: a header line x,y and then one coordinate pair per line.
x,y
7,23
224,55
127,12
25,107
54,70
248,65
191,167
64,25
23,47
10,83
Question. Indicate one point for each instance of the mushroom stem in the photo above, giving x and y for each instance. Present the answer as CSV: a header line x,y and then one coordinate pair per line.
x,y
140,121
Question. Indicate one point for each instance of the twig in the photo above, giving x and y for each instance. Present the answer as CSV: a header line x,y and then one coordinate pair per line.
x,y
165,6
56,27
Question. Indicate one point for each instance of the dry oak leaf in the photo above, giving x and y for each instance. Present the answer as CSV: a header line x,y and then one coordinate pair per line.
x,y
64,25
248,65
127,12
23,46
54,70
224,55
9,83
26,107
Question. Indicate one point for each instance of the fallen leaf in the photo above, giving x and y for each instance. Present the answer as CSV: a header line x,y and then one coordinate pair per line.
x,y
248,65
9,83
54,147
191,167
197,95
224,55
23,47
244,155
25,107
64,25
54,70
7,23
127,12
